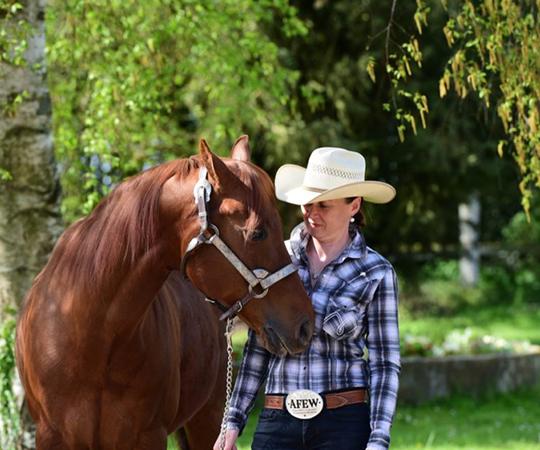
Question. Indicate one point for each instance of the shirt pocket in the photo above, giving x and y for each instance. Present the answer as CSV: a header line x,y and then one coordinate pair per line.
x,y
346,310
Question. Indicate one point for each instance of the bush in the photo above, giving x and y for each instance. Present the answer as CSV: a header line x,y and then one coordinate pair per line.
x,y
438,290
509,273
523,263
9,412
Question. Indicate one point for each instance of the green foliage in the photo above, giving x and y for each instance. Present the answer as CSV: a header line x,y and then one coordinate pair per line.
x,y
5,175
509,275
439,290
13,33
497,57
399,67
522,239
9,412
433,172
138,82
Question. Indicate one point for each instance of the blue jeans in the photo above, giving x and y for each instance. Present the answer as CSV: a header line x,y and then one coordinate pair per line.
x,y
345,428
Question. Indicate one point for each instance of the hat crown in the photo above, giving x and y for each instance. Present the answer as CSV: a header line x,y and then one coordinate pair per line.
x,y
331,173
332,167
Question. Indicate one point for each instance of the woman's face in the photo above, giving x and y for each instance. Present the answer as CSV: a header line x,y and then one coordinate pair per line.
x,y
329,220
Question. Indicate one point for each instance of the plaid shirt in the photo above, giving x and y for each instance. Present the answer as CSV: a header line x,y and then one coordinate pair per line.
x,y
355,303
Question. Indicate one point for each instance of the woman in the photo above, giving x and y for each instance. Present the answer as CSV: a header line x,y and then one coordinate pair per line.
x,y
340,393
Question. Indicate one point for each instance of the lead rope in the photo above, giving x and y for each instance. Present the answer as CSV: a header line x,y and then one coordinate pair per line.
x,y
229,377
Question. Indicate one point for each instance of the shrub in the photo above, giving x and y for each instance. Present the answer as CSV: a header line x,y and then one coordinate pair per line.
x,y
9,412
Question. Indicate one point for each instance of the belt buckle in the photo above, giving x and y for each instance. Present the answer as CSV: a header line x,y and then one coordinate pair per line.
x,y
304,404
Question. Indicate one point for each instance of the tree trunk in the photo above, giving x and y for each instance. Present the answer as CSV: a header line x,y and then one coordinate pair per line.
x,y
30,218
469,225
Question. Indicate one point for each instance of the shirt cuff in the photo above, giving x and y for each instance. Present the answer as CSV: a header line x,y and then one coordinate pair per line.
x,y
379,439
236,420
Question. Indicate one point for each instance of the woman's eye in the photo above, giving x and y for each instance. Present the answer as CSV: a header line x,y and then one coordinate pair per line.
x,y
259,234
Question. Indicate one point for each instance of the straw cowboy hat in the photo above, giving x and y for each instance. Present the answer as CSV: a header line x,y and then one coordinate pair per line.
x,y
331,173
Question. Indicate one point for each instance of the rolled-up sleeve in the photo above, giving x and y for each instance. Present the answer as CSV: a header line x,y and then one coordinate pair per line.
x,y
251,376
384,359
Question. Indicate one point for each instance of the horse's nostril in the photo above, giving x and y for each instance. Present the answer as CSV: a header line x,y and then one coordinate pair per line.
x,y
272,337
305,331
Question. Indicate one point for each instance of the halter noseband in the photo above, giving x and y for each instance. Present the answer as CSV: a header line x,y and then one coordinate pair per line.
x,y
209,234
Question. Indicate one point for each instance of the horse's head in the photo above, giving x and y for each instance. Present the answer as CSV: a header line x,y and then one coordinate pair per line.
x,y
242,207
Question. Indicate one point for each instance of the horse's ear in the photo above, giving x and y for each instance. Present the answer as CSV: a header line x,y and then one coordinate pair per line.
x,y
213,164
240,150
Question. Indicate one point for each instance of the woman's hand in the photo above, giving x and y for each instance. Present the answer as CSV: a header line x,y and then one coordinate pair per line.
x,y
230,441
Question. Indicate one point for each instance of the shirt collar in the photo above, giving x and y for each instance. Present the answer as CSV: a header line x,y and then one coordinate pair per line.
x,y
356,249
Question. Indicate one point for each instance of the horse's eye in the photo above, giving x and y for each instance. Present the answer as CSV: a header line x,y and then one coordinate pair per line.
x,y
259,234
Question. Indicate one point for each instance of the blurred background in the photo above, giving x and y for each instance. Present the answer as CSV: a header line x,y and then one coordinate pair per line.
x,y
440,97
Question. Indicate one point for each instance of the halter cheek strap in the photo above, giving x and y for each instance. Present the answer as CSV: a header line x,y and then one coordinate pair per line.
x,y
257,279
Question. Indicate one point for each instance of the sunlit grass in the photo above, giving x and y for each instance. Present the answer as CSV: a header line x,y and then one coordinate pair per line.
x,y
501,421
513,322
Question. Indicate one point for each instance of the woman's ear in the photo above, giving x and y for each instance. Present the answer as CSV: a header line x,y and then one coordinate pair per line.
x,y
355,205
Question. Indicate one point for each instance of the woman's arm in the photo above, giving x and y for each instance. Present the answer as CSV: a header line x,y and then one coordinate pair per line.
x,y
384,359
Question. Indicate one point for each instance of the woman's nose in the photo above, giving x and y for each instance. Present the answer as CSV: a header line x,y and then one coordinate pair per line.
x,y
312,211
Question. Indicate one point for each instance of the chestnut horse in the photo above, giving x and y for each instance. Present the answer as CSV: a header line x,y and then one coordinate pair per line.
x,y
116,349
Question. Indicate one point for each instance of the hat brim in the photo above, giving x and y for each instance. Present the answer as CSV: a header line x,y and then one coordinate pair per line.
x,y
289,189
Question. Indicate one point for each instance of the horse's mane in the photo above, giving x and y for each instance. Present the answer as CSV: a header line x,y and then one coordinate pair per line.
x,y
121,227
125,223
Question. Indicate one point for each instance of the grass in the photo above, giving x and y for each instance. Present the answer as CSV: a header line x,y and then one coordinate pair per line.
x,y
513,322
502,421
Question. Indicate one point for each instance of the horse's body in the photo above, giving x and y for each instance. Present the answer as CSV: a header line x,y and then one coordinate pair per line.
x,y
115,349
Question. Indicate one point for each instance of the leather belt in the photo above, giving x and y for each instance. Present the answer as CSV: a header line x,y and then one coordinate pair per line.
x,y
332,400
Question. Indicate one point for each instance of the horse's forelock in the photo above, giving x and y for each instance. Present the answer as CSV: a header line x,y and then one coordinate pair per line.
x,y
260,192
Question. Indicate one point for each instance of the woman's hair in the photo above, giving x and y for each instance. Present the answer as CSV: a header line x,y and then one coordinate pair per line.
x,y
359,217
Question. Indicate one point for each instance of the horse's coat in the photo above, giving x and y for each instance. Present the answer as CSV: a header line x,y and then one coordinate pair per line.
x,y
115,349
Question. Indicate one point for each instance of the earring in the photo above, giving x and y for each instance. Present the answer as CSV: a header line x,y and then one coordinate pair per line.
x,y
352,219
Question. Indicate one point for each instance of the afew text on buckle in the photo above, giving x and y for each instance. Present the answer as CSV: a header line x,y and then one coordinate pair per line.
x,y
304,404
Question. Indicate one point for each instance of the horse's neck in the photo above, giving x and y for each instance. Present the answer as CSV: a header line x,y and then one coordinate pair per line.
x,y
136,287
125,288
137,284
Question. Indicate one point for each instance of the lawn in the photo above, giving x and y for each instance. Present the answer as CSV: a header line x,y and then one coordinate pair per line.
x,y
513,322
509,421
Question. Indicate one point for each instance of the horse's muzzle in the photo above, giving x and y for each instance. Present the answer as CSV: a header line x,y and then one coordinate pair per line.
x,y
281,343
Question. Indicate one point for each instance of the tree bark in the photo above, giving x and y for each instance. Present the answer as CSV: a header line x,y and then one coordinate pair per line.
x,y
469,224
30,219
